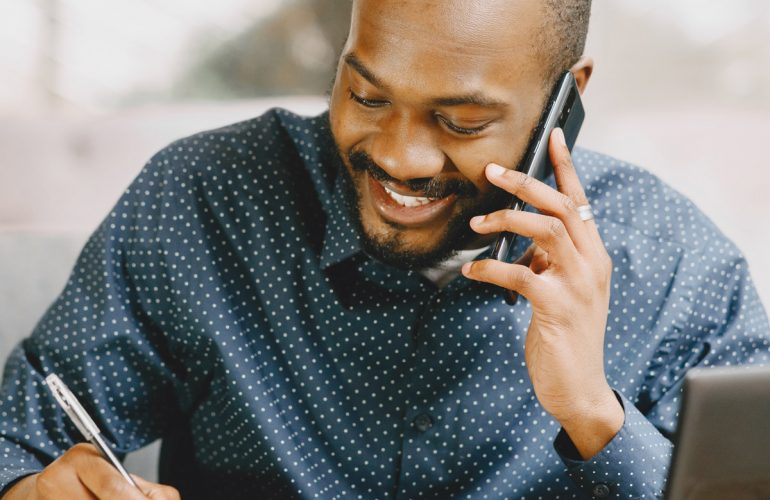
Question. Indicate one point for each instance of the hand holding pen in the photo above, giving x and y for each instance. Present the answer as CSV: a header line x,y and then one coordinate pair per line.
x,y
85,471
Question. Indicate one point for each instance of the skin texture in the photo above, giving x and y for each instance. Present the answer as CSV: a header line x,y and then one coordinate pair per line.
x,y
81,473
402,63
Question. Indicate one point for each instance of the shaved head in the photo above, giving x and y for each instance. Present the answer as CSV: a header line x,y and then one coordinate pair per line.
x,y
559,35
563,37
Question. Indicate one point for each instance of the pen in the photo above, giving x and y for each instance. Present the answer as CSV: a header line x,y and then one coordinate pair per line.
x,y
83,422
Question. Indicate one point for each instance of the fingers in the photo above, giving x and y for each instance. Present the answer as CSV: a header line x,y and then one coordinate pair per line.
x,y
61,480
547,232
514,277
561,204
100,477
82,473
567,180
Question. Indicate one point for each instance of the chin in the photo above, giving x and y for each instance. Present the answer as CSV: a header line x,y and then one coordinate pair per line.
x,y
409,248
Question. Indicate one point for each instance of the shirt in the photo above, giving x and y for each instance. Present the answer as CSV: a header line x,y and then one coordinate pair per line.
x,y
225,306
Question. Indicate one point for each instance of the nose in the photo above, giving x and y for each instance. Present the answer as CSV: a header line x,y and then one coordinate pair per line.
x,y
406,148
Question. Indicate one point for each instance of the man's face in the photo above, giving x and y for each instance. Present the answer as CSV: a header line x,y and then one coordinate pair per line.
x,y
427,93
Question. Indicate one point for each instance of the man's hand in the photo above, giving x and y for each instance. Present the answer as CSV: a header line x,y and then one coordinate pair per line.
x,y
565,275
82,473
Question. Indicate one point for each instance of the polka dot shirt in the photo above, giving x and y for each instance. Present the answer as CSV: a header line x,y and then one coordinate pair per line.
x,y
225,306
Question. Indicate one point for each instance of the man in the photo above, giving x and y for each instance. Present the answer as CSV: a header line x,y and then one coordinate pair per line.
x,y
279,300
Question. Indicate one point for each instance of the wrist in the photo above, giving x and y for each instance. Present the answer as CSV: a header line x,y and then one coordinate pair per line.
x,y
595,425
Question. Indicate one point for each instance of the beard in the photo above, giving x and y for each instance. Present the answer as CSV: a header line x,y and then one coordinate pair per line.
x,y
390,248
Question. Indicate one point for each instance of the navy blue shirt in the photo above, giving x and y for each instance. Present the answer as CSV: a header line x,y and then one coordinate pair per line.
x,y
225,306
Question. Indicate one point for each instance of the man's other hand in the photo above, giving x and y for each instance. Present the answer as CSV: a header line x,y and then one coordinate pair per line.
x,y
82,473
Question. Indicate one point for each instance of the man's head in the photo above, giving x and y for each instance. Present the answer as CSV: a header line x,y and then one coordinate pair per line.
x,y
427,93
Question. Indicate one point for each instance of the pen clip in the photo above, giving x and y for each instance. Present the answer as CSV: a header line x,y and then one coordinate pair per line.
x,y
72,407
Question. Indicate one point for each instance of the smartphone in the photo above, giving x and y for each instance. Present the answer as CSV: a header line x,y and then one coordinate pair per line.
x,y
564,110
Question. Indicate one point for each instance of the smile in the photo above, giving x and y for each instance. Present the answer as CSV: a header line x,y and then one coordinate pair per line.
x,y
406,209
408,201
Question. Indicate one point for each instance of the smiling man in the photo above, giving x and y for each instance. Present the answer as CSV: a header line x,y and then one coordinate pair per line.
x,y
305,307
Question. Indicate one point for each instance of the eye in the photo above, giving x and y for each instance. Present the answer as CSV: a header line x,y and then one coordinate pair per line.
x,y
461,130
366,102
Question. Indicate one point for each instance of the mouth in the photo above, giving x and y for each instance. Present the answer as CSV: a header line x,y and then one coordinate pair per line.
x,y
398,206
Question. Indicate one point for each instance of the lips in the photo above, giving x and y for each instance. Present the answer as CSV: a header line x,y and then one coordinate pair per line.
x,y
408,210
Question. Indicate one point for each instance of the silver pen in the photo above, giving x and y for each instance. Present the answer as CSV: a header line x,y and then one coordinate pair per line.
x,y
83,422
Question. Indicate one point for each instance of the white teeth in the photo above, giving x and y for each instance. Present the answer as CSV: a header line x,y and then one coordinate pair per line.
x,y
408,201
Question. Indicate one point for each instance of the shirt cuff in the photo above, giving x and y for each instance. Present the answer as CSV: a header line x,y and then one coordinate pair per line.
x,y
9,477
634,463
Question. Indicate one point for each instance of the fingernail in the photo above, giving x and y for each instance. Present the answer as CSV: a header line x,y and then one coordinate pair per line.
x,y
560,136
495,170
477,220
467,267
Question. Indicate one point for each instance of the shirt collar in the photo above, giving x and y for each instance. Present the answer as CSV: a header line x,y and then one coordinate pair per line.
x,y
341,239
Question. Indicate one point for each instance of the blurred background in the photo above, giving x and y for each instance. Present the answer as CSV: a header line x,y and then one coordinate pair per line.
x,y
91,89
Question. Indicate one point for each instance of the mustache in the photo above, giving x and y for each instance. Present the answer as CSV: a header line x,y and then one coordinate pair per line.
x,y
431,186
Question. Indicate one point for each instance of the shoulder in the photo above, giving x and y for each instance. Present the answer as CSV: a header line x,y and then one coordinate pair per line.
x,y
277,148
277,137
627,196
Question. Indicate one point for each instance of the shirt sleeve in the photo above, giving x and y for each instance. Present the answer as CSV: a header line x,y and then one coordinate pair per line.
x,y
97,337
725,324
632,465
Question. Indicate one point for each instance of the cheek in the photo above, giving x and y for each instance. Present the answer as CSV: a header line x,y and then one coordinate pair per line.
x,y
472,157
346,127
506,148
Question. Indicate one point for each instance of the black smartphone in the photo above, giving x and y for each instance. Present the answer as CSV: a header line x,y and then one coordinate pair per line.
x,y
565,110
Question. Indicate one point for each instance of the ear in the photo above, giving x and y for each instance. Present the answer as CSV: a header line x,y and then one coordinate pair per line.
x,y
582,70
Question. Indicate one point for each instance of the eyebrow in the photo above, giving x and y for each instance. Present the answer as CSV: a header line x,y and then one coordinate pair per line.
x,y
475,98
362,70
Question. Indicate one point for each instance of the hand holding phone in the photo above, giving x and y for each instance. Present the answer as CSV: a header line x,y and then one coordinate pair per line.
x,y
564,110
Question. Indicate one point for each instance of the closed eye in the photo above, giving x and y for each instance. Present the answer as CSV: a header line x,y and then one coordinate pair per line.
x,y
461,130
366,102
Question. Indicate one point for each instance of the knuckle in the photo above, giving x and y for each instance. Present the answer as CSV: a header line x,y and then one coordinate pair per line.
x,y
480,267
521,181
519,279
509,217
113,487
556,227
46,482
569,204
81,449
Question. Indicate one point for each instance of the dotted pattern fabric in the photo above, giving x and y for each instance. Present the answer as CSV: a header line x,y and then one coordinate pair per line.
x,y
225,306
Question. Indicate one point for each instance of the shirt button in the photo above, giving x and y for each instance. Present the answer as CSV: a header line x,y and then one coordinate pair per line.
x,y
423,422
601,490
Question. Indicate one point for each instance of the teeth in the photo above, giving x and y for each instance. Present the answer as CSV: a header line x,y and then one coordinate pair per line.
x,y
408,201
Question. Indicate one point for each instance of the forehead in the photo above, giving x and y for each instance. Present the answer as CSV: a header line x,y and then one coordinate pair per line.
x,y
458,40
